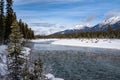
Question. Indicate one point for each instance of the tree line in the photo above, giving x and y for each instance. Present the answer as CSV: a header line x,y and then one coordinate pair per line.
x,y
17,60
28,33
7,16
109,33
19,66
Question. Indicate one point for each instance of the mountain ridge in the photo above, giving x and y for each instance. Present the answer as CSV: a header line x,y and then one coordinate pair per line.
x,y
114,22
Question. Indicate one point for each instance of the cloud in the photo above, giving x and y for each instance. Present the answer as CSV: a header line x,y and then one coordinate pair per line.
x,y
61,26
43,24
46,28
55,15
112,13
89,18
22,2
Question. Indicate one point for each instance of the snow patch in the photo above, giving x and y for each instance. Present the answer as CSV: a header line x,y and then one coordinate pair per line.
x,y
3,68
3,48
3,58
42,40
111,20
79,27
52,77
26,51
99,43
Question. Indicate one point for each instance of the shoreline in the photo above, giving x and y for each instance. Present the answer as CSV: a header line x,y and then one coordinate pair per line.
x,y
94,43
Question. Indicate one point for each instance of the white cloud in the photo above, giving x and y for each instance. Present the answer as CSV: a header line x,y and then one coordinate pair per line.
x,y
20,2
68,16
112,13
89,18
46,31
43,24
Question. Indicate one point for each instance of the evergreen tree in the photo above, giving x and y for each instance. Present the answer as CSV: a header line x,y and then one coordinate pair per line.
x,y
35,73
28,33
15,59
38,69
109,32
1,21
9,18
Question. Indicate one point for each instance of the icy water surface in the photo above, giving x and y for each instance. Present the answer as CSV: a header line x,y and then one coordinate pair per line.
x,y
78,63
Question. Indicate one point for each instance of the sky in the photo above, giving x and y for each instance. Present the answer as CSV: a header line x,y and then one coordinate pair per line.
x,y
49,16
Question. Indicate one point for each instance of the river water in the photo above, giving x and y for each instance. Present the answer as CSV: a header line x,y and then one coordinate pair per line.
x,y
77,63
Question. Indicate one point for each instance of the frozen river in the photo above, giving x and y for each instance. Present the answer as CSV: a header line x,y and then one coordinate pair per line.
x,y
78,63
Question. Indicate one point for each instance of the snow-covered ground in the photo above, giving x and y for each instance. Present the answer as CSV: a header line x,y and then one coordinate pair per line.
x,y
99,43
52,77
26,52
43,40
3,59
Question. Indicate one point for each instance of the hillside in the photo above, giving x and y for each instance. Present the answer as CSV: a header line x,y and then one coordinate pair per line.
x,y
114,23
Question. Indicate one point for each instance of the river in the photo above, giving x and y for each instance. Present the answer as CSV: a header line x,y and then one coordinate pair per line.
x,y
77,63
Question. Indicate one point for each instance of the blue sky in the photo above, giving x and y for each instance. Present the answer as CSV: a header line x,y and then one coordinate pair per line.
x,y
49,16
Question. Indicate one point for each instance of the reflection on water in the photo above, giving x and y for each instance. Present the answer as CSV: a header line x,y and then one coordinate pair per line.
x,y
75,63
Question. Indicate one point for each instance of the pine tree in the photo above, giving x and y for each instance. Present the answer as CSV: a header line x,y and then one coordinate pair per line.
x,y
109,32
32,33
15,59
1,21
38,69
9,18
28,33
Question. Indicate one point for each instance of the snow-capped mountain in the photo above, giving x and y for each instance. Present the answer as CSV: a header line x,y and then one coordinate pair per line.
x,y
111,20
114,22
77,27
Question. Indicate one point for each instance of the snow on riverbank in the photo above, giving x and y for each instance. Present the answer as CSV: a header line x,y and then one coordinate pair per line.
x,y
26,52
42,40
98,43
3,59
51,77
2,48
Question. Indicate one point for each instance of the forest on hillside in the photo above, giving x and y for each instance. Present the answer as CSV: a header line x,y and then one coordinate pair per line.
x,y
109,33
7,17
13,53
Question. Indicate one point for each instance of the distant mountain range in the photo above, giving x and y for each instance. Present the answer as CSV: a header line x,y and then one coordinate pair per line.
x,y
114,22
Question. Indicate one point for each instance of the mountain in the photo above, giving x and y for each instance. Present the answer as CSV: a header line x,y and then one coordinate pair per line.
x,y
77,28
111,20
114,22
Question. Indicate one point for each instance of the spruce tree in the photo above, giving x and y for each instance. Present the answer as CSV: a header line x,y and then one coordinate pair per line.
x,y
28,33
15,59
109,31
1,21
9,18
38,69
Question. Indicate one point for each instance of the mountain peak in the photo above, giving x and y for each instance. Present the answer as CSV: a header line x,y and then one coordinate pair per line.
x,y
79,27
111,20
100,26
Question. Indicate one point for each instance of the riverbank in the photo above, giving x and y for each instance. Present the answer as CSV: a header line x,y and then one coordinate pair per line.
x,y
3,59
74,63
97,43
3,62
